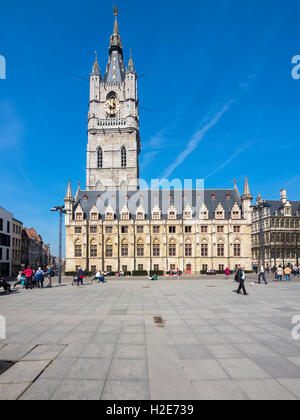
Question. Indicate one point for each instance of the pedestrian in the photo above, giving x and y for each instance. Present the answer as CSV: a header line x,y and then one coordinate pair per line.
x,y
20,279
49,275
241,278
287,272
279,273
227,272
28,273
39,278
80,276
261,271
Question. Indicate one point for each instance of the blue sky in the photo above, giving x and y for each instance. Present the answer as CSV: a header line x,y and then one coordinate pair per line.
x,y
220,84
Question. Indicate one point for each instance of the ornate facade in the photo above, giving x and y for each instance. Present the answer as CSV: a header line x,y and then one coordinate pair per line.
x,y
114,226
276,231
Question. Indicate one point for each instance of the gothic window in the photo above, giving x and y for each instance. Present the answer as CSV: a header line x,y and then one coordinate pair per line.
x,y
172,248
204,249
220,249
100,158
109,250
156,249
237,249
78,251
124,249
188,249
140,249
94,251
123,157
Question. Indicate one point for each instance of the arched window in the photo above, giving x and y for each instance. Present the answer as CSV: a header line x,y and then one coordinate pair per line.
x,y
100,157
237,249
123,157
172,248
108,249
140,249
188,248
124,249
156,248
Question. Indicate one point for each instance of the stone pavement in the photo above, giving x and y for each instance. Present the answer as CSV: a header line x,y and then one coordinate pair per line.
x,y
101,341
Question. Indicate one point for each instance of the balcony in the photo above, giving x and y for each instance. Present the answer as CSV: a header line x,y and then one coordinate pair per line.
x,y
112,122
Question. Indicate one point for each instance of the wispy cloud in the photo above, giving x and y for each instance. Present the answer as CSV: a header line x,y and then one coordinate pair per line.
x,y
292,180
27,179
234,156
148,158
197,138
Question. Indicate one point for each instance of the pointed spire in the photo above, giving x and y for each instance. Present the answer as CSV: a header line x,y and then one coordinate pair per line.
x,y
96,68
69,195
115,39
130,64
246,187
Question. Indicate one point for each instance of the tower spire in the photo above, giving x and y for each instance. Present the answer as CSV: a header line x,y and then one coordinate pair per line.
x,y
115,71
115,39
130,64
246,187
69,195
96,68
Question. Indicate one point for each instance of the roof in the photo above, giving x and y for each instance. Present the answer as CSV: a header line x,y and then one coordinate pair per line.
x,y
32,234
277,205
163,198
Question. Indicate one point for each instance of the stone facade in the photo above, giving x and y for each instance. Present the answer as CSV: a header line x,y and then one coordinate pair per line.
x,y
276,231
16,246
113,123
114,226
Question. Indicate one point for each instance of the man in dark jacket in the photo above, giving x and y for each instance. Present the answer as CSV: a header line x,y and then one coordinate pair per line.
x,y
241,277
80,276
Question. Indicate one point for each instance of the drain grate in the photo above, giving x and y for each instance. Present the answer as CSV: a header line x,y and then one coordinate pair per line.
x,y
5,365
158,321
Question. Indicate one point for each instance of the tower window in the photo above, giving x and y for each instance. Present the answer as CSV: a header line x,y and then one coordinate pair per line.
x,y
123,157
100,158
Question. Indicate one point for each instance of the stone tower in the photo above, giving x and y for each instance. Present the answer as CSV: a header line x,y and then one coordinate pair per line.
x,y
113,122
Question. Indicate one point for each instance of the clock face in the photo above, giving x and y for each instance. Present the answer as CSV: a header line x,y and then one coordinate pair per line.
x,y
112,106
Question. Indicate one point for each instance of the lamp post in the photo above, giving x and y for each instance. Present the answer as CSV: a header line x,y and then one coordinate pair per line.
x,y
61,210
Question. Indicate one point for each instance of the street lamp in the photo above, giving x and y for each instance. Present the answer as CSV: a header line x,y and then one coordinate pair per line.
x,y
61,210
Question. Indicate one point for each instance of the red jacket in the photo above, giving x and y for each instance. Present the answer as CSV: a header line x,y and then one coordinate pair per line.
x,y
28,272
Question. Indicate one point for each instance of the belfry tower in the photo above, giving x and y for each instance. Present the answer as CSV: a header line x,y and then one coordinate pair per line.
x,y
113,122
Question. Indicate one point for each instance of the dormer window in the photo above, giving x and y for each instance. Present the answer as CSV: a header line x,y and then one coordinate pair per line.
x,y
94,216
156,216
140,216
79,216
219,215
109,216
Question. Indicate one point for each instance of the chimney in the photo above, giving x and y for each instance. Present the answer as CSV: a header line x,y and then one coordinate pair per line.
x,y
283,196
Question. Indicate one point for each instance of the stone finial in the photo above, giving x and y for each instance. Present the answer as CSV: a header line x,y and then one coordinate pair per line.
x,y
96,68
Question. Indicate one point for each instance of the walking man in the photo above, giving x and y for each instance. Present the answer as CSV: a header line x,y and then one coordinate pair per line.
x,y
262,273
241,276
80,276
28,275
39,277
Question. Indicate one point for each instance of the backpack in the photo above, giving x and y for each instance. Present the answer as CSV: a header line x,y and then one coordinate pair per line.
x,y
237,276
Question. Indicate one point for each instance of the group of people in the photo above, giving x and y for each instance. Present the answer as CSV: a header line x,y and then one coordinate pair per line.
x,y
80,275
30,278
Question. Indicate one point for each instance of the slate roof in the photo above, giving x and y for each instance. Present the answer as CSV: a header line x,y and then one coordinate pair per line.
x,y
276,206
149,198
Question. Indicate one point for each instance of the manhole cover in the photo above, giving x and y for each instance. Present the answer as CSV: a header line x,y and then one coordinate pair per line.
x,y
158,321
4,366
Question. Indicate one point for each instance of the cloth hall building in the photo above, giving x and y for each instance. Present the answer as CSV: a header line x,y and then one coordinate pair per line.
x,y
115,225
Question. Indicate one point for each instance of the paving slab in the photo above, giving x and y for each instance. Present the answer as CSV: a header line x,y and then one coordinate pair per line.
x,y
23,372
265,389
126,390
41,390
11,392
79,390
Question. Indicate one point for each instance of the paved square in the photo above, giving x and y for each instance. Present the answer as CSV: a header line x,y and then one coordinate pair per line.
x,y
101,342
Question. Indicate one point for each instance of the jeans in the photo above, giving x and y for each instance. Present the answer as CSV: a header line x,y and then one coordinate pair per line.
x,y
288,277
263,276
279,277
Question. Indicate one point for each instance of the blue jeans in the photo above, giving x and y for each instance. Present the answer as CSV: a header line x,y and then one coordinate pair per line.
x,y
263,276
288,277
279,278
